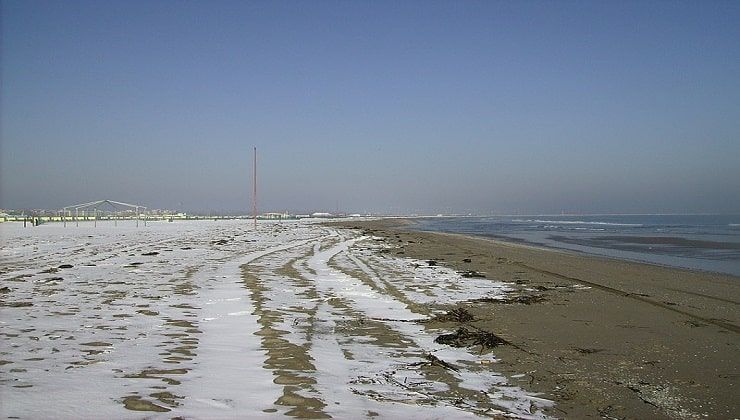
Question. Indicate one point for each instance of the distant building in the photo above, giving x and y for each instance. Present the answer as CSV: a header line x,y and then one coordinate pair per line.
x,y
274,216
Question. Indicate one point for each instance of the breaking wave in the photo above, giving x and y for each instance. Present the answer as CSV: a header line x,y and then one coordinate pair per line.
x,y
577,222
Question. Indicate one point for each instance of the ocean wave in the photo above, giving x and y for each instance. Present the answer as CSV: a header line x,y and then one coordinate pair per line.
x,y
589,229
577,222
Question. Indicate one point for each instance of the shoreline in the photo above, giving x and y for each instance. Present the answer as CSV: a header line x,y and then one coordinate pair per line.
x,y
603,337
403,223
503,240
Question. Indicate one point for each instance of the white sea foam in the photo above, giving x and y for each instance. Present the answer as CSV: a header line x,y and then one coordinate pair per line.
x,y
576,222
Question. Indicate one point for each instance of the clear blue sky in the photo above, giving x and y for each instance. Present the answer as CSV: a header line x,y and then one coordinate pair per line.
x,y
521,106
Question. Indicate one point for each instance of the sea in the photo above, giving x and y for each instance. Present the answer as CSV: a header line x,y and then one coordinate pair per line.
x,y
697,242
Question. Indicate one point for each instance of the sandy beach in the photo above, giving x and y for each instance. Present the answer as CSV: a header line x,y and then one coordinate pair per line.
x,y
602,338
217,319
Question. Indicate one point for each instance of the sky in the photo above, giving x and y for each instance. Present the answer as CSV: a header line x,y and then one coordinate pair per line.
x,y
426,107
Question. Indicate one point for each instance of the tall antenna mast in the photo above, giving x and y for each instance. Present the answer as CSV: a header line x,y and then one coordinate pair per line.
x,y
254,195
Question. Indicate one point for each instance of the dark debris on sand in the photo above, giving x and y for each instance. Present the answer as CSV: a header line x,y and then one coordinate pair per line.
x,y
464,337
587,350
508,300
433,360
436,361
472,274
455,315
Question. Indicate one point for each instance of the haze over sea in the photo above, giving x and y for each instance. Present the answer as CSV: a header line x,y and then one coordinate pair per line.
x,y
700,242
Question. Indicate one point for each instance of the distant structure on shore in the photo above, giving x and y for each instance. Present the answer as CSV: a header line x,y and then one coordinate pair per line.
x,y
74,214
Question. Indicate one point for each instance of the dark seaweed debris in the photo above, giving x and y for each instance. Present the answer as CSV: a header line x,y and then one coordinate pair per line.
x,y
522,299
455,315
436,361
433,360
464,337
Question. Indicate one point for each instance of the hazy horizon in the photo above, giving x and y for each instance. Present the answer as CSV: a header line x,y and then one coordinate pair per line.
x,y
381,107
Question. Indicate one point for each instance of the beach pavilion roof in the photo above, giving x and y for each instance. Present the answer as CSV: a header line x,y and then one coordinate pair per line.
x,y
95,205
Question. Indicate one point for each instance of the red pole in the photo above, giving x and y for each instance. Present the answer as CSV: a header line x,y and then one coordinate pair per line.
x,y
254,196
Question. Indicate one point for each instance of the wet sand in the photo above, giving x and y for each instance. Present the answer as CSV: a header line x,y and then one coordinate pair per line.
x,y
603,338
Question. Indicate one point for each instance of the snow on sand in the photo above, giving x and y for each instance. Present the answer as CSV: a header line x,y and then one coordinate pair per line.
x,y
214,319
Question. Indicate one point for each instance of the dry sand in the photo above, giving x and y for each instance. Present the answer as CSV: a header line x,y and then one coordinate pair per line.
x,y
609,338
